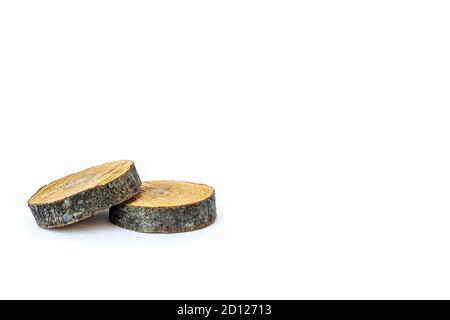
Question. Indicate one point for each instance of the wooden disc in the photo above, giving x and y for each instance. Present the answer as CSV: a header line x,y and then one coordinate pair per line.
x,y
80,195
166,207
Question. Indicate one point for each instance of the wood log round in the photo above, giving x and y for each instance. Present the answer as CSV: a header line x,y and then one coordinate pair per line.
x,y
83,194
167,207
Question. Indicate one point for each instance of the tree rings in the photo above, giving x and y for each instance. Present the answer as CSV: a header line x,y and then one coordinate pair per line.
x,y
83,194
167,207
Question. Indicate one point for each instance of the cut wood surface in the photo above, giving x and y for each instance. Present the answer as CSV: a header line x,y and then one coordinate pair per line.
x,y
80,195
167,206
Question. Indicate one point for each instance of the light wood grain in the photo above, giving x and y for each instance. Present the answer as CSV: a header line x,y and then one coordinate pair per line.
x,y
157,194
167,207
81,181
81,195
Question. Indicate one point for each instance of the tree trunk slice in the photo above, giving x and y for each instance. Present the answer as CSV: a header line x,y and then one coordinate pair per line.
x,y
83,194
167,207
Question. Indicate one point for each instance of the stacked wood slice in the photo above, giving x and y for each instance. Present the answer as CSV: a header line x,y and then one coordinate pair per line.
x,y
151,207
83,194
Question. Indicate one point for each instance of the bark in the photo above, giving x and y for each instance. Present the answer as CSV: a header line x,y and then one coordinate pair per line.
x,y
87,203
165,219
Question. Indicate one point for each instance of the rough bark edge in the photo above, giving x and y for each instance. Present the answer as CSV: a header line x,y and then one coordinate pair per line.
x,y
165,219
87,203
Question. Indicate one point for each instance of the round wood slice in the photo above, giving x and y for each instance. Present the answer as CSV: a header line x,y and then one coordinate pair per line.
x,y
166,207
83,194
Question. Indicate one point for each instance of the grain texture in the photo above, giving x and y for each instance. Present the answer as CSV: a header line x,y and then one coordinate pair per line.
x,y
83,194
167,207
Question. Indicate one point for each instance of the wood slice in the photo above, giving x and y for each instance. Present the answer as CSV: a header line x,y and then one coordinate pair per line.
x,y
83,194
166,207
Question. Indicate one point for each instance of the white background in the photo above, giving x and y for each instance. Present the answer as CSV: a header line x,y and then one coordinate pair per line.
x,y
323,125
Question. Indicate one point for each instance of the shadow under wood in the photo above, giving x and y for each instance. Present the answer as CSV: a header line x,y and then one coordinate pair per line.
x,y
95,223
